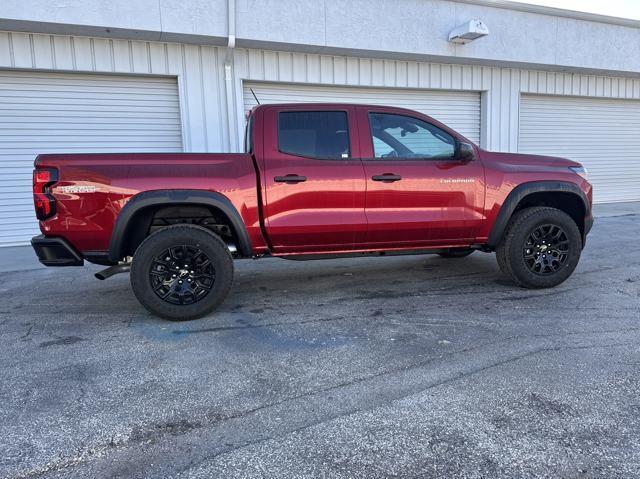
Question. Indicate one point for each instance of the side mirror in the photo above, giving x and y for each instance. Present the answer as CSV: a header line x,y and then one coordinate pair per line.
x,y
466,152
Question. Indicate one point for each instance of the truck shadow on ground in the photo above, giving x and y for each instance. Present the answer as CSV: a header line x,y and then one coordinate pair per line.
x,y
296,292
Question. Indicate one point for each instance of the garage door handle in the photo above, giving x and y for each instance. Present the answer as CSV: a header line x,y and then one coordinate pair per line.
x,y
290,179
386,178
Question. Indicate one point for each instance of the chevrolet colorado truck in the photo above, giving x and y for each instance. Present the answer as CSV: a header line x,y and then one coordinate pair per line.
x,y
315,181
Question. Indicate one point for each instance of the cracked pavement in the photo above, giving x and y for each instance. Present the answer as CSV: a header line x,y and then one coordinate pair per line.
x,y
411,366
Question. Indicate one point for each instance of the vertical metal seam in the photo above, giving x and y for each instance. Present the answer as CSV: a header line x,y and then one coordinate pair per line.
x,y
220,95
203,104
32,51
112,56
92,53
52,45
130,48
74,63
148,50
185,87
12,55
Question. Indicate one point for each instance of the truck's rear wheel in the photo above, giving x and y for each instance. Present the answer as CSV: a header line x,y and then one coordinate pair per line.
x,y
181,272
541,248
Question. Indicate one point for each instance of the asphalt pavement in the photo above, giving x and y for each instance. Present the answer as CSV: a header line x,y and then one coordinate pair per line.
x,y
411,366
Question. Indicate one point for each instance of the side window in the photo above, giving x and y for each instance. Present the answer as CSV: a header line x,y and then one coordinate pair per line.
x,y
314,134
399,136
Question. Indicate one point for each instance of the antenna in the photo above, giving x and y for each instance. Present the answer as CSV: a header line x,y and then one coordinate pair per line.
x,y
254,96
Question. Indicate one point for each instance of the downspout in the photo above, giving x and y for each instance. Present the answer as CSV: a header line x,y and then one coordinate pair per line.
x,y
228,75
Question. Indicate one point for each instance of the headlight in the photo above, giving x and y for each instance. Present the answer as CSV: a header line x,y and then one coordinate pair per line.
x,y
580,170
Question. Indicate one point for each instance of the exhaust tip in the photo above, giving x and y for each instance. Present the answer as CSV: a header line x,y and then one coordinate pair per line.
x,y
110,271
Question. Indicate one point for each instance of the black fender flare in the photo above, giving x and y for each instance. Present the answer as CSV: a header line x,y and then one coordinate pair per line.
x,y
525,189
169,197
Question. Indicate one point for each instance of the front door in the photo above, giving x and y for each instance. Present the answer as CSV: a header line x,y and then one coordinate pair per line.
x,y
313,179
418,193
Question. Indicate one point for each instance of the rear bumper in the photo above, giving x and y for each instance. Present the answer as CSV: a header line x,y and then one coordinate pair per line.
x,y
55,252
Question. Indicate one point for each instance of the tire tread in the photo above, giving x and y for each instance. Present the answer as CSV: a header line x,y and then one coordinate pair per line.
x,y
505,250
196,310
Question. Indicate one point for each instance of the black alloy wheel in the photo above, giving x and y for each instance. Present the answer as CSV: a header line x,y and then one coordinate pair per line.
x,y
546,249
182,274
541,247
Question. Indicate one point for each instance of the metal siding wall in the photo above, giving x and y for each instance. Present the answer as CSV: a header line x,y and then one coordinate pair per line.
x,y
501,87
268,66
60,113
198,69
458,109
203,103
602,134
200,75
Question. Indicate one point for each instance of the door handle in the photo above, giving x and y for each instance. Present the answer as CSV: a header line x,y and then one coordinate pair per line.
x,y
290,179
386,178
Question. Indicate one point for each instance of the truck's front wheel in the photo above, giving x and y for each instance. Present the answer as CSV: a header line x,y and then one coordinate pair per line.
x,y
182,272
541,247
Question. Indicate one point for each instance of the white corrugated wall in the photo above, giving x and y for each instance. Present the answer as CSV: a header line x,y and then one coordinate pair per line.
x,y
459,110
44,112
200,73
200,76
602,134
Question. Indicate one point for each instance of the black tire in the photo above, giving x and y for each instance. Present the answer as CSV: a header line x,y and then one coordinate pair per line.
x,y
541,248
457,253
191,290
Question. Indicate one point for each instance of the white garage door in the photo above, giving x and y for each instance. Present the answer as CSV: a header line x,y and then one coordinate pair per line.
x,y
73,113
602,134
456,109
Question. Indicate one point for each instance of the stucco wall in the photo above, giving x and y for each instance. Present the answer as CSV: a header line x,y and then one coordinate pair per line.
x,y
407,29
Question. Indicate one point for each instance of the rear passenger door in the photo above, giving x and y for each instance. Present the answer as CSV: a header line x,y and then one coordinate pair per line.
x,y
314,182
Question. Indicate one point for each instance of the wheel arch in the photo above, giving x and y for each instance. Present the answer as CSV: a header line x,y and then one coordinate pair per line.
x,y
127,232
562,195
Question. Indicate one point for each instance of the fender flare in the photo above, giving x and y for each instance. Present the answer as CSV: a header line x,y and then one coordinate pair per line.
x,y
525,189
168,197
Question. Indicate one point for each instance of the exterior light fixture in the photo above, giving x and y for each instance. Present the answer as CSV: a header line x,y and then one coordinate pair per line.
x,y
468,32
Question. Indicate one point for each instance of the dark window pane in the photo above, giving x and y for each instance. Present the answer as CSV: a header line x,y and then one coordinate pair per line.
x,y
399,136
314,134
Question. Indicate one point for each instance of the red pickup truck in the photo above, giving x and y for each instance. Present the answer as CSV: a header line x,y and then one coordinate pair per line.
x,y
315,181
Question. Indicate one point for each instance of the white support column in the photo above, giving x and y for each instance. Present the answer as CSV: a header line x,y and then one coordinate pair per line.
x,y
229,79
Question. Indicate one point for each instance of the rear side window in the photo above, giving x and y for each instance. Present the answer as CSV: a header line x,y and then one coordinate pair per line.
x,y
314,134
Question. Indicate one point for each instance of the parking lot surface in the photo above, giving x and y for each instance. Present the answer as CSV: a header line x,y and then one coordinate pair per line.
x,y
360,368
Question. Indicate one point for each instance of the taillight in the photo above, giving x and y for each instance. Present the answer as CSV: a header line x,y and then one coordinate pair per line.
x,y
45,203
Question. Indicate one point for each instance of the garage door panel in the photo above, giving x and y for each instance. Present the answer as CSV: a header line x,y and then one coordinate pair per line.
x,y
75,113
459,110
602,134
27,78
87,123
87,93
